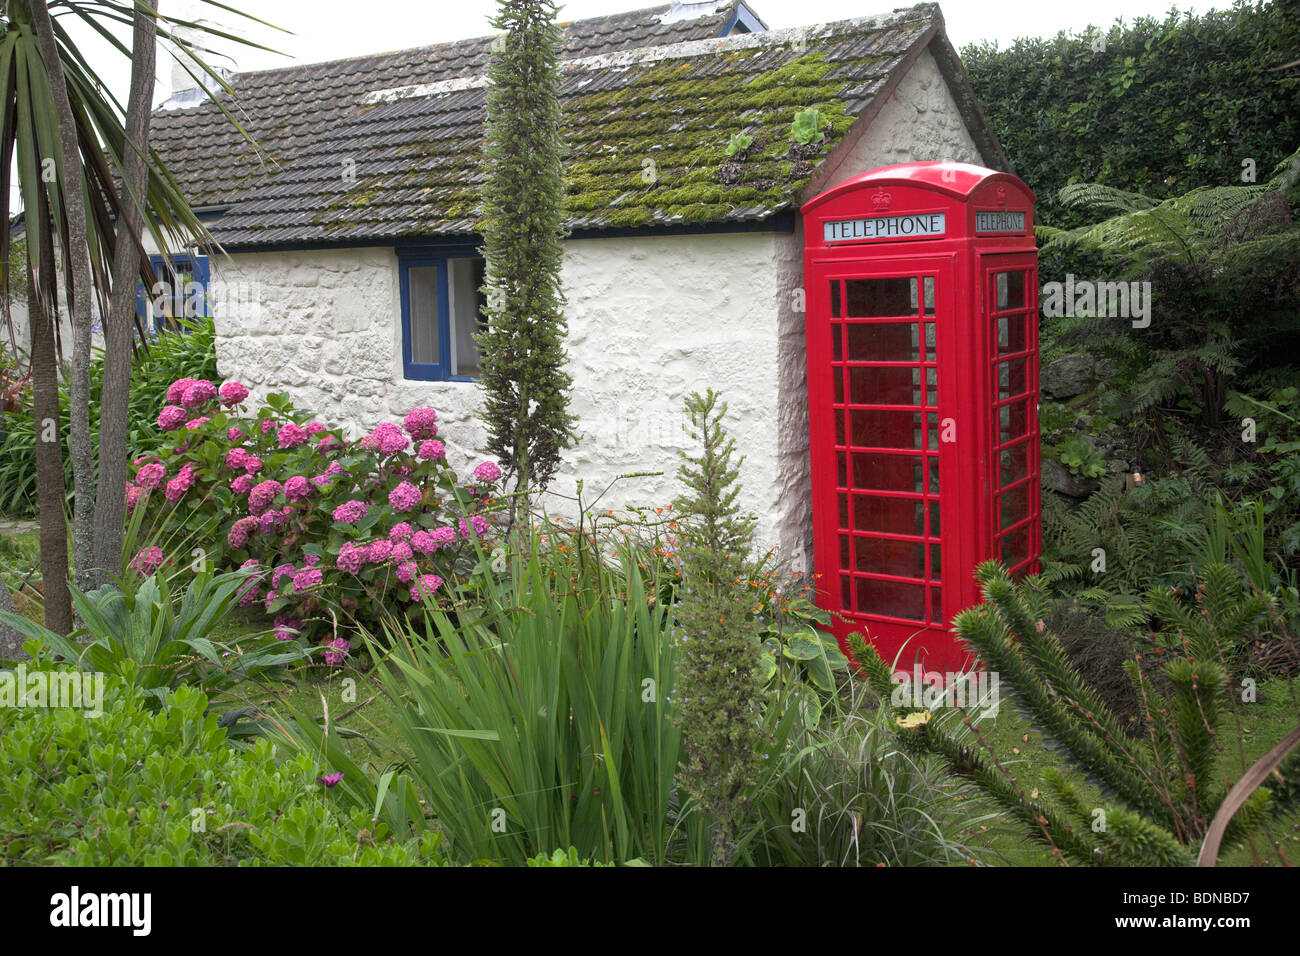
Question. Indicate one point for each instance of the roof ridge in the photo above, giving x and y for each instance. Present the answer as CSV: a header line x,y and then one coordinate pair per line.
x,y
623,59
483,39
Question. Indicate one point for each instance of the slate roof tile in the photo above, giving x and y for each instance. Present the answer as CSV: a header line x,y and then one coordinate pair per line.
x,y
649,108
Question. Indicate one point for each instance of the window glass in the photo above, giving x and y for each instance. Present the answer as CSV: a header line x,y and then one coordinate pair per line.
x,y
884,342
884,385
1011,290
869,298
891,599
422,284
885,556
465,281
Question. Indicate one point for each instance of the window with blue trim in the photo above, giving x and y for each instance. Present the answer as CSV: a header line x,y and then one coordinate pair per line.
x,y
442,311
181,292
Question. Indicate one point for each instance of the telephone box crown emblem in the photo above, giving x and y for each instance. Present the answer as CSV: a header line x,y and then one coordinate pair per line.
x,y
881,200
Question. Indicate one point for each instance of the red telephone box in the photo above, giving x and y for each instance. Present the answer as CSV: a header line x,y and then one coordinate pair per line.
x,y
922,308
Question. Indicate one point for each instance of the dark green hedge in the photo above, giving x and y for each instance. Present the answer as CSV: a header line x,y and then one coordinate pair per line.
x,y
1165,107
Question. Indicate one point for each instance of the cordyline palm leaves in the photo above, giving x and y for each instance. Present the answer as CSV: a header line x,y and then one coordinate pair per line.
x,y
90,188
1161,792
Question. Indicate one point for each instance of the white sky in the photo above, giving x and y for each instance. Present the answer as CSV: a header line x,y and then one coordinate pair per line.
x,y
330,29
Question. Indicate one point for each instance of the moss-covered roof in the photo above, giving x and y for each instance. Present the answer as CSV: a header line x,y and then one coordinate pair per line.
x,y
647,129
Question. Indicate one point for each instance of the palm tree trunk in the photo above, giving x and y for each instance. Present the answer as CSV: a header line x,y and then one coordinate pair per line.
x,y
110,506
49,453
80,290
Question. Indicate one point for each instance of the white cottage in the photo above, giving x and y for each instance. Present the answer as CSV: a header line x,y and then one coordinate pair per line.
x,y
350,272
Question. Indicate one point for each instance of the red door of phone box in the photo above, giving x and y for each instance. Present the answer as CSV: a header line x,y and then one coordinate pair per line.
x,y
922,325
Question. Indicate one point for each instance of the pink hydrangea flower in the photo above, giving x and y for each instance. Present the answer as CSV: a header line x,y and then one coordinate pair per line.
x,y
387,439
312,428
282,572
273,520
405,497
352,557
306,579
260,498
335,653
234,434
267,425
172,417
431,450
147,561
143,458
311,560
253,464
350,512
425,585
297,488
199,392
402,551
400,531
476,527
151,475
251,592
377,552
194,424
176,390
489,472
406,570
427,542
290,435
326,442
322,481
182,483
133,493
232,393
237,537
236,458
242,484
287,627
420,423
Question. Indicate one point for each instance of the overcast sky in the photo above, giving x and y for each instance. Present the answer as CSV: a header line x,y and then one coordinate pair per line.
x,y
330,29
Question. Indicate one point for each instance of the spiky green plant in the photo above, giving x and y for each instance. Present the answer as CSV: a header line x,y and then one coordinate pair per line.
x,y
1159,793
525,381
719,706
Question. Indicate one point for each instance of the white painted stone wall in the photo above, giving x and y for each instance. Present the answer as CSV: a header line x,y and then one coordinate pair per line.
x,y
920,121
651,319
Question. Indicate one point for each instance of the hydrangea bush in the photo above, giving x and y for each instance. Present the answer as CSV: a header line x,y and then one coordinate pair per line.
x,y
340,530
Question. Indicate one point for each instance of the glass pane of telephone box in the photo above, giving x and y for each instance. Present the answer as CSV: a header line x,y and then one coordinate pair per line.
x,y
879,514
874,428
883,556
872,298
883,342
891,598
884,385
887,472
1011,290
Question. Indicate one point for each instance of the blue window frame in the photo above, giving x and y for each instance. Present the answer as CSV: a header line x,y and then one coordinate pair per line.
x,y
182,293
441,312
